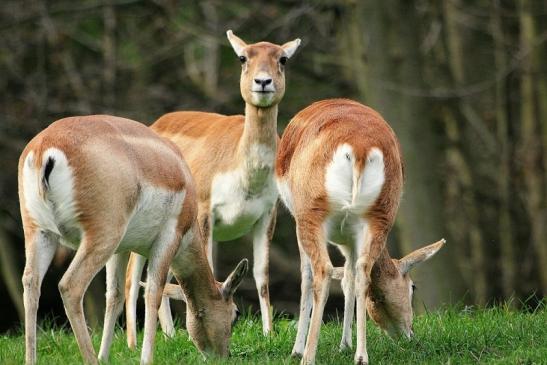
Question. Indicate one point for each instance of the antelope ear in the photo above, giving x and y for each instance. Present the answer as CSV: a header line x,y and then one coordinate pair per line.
x,y
419,256
172,291
234,279
237,43
291,47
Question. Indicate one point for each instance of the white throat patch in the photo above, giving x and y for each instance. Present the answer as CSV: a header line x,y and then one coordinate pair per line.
x,y
242,196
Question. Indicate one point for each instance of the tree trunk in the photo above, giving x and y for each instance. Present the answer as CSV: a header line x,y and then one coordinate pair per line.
x,y
351,42
420,218
464,172
11,274
504,221
109,55
530,149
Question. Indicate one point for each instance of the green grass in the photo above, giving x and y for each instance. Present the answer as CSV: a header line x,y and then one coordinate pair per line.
x,y
494,336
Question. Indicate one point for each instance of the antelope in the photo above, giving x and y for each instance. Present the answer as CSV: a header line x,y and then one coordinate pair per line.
x,y
232,161
105,186
339,171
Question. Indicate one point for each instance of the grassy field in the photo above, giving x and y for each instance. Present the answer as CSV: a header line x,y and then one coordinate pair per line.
x,y
467,336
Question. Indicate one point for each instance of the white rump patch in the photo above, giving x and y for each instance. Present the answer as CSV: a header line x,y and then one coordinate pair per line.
x,y
351,190
372,179
55,207
339,177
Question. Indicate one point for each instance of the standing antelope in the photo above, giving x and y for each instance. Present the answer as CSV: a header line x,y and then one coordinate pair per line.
x,y
232,161
105,186
339,171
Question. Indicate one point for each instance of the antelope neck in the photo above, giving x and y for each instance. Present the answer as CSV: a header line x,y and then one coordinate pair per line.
x,y
196,278
260,128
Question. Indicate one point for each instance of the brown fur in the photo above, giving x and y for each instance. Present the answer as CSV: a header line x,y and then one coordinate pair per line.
x,y
313,135
76,135
89,143
305,151
213,144
111,159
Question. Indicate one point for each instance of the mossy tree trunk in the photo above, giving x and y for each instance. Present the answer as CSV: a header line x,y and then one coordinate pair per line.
x,y
530,149
394,66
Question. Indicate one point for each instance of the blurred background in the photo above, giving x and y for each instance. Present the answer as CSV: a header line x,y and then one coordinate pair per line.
x,y
463,83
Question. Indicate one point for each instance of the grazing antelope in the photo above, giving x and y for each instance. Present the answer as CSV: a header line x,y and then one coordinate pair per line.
x,y
232,161
106,186
339,171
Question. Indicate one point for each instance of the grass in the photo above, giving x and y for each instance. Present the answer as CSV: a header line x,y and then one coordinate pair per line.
x,y
451,336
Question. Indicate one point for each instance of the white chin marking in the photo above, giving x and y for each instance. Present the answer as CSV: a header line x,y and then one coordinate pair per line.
x,y
262,99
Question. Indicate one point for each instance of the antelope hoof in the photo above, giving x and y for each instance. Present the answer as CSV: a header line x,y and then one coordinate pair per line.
x,y
132,346
296,354
170,333
344,346
361,361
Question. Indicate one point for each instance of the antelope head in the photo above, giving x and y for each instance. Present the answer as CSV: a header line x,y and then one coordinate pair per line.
x,y
262,69
389,301
209,321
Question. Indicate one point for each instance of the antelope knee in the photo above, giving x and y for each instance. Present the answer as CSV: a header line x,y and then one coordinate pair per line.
x,y
362,273
323,273
307,275
347,282
328,270
115,295
363,266
29,281
64,288
70,298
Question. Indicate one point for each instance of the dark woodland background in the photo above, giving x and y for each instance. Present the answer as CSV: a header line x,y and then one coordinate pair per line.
x,y
463,83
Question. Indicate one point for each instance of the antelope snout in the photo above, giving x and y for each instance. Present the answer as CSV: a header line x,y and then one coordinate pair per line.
x,y
263,81
263,90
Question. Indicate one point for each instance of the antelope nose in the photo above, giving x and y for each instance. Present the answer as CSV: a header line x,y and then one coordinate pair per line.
x,y
263,81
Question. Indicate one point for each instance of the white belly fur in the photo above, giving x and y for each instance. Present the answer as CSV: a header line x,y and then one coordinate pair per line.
x,y
239,198
157,209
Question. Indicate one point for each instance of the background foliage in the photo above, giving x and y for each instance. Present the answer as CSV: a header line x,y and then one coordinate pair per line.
x,y
463,83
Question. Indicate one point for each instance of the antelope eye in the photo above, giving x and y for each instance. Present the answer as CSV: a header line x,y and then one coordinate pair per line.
x,y
283,60
243,59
